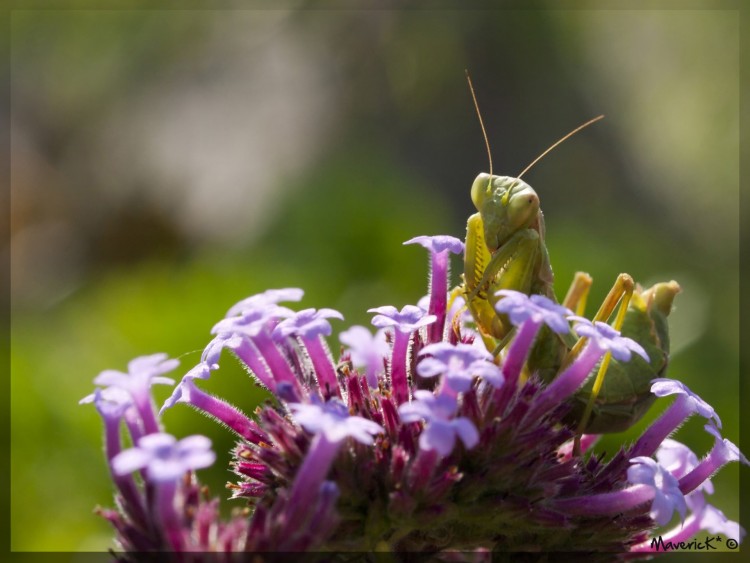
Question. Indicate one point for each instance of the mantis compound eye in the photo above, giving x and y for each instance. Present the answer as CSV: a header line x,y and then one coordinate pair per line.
x,y
481,189
523,206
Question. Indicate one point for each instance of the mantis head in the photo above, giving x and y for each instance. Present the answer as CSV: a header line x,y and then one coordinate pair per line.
x,y
506,206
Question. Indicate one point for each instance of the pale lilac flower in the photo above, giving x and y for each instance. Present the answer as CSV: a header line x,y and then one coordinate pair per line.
x,y
212,351
251,322
667,494
607,339
112,401
442,428
535,308
366,351
332,424
114,404
686,404
409,319
308,323
459,364
332,419
263,300
527,314
704,517
164,462
440,247
256,347
200,371
712,519
310,326
164,458
663,387
143,372
439,243
724,451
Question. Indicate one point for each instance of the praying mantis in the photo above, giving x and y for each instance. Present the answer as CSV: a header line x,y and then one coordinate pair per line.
x,y
505,249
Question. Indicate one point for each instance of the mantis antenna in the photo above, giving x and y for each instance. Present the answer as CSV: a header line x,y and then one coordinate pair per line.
x,y
565,138
481,123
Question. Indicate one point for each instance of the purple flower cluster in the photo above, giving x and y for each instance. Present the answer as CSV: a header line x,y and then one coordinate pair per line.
x,y
416,438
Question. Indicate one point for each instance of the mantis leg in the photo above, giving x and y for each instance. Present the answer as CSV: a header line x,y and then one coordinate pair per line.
x,y
512,266
621,292
622,289
578,293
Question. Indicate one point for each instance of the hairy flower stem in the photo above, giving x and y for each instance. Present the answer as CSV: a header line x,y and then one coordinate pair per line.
x,y
327,382
399,382
276,362
607,503
438,294
249,354
222,411
513,364
124,483
714,461
147,413
566,383
170,519
662,427
310,476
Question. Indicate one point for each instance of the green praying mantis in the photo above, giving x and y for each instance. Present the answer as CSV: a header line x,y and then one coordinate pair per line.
x,y
505,249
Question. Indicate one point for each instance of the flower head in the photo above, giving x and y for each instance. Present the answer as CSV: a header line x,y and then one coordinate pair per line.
x,y
424,382
165,459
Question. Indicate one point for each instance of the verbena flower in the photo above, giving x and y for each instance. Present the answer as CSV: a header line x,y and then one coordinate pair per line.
x,y
666,489
440,248
366,351
680,460
404,322
415,438
459,364
442,427
164,458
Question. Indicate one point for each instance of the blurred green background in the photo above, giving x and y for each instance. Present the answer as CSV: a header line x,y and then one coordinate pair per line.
x,y
168,164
